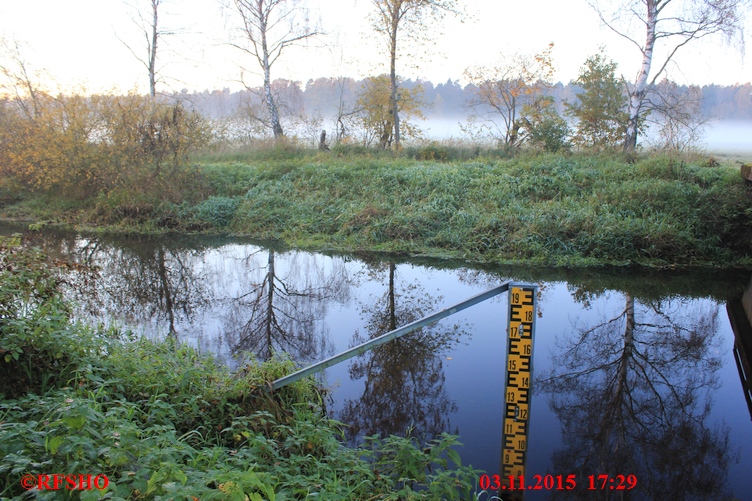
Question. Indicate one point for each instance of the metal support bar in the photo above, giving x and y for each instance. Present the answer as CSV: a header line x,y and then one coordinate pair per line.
x,y
385,338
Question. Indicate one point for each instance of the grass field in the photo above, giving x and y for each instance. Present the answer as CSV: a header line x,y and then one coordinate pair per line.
x,y
560,210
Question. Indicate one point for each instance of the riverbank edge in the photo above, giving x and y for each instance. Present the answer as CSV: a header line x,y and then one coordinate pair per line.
x,y
386,252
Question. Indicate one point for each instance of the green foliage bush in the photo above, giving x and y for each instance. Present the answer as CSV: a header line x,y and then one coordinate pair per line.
x,y
550,132
600,111
39,346
217,211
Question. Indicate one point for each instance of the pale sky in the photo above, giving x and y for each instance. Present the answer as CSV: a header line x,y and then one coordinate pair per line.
x,y
75,42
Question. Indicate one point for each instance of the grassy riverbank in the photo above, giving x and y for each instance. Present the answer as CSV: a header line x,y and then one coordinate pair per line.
x,y
578,210
163,422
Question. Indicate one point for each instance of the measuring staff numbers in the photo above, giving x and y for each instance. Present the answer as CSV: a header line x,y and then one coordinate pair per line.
x,y
520,329
558,482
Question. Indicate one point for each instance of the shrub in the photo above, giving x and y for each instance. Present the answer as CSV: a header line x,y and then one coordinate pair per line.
x,y
81,146
39,346
549,131
217,211
600,115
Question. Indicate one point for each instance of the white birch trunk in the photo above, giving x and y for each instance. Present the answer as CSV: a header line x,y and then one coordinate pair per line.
x,y
637,96
393,80
273,112
153,51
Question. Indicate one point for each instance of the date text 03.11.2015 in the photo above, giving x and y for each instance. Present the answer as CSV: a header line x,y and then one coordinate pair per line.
x,y
557,482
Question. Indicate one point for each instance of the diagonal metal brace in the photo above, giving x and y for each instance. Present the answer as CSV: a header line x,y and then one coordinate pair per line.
x,y
385,338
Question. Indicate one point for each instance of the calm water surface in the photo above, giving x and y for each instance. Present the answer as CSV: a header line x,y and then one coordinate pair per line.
x,y
660,399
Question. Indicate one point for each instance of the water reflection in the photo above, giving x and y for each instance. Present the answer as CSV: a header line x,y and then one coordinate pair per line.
x,y
632,395
155,283
284,313
236,297
629,390
404,379
140,280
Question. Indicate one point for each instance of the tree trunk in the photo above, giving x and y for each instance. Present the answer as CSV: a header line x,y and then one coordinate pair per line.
x,y
165,284
273,112
612,417
629,341
153,52
393,76
322,141
392,313
270,306
385,139
637,96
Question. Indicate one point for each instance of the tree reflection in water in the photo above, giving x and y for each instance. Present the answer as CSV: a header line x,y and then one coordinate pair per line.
x,y
404,378
283,312
142,280
633,398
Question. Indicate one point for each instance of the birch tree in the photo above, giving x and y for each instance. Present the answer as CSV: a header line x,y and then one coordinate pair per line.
x,y
269,28
668,26
410,18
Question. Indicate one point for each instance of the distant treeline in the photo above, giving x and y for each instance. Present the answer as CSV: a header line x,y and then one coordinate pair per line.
x,y
325,96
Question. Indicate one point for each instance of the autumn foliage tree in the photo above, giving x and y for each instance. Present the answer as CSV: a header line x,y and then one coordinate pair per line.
x,y
376,113
511,102
83,145
398,19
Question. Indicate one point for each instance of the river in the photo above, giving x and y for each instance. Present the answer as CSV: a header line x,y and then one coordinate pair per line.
x,y
670,409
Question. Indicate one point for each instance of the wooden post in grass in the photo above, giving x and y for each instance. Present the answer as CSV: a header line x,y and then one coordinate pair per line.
x,y
322,141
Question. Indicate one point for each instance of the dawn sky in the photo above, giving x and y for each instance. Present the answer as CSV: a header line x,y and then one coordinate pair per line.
x,y
76,42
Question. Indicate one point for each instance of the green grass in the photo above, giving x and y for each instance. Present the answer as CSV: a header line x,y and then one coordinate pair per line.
x,y
560,210
549,210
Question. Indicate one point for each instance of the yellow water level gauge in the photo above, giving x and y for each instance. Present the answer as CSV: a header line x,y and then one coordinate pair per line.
x,y
519,372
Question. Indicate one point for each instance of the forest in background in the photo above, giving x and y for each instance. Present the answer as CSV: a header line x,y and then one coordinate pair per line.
x,y
443,100
335,105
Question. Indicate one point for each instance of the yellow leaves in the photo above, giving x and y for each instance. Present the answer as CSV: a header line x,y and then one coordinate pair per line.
x,y
82,145
376,110
228,487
